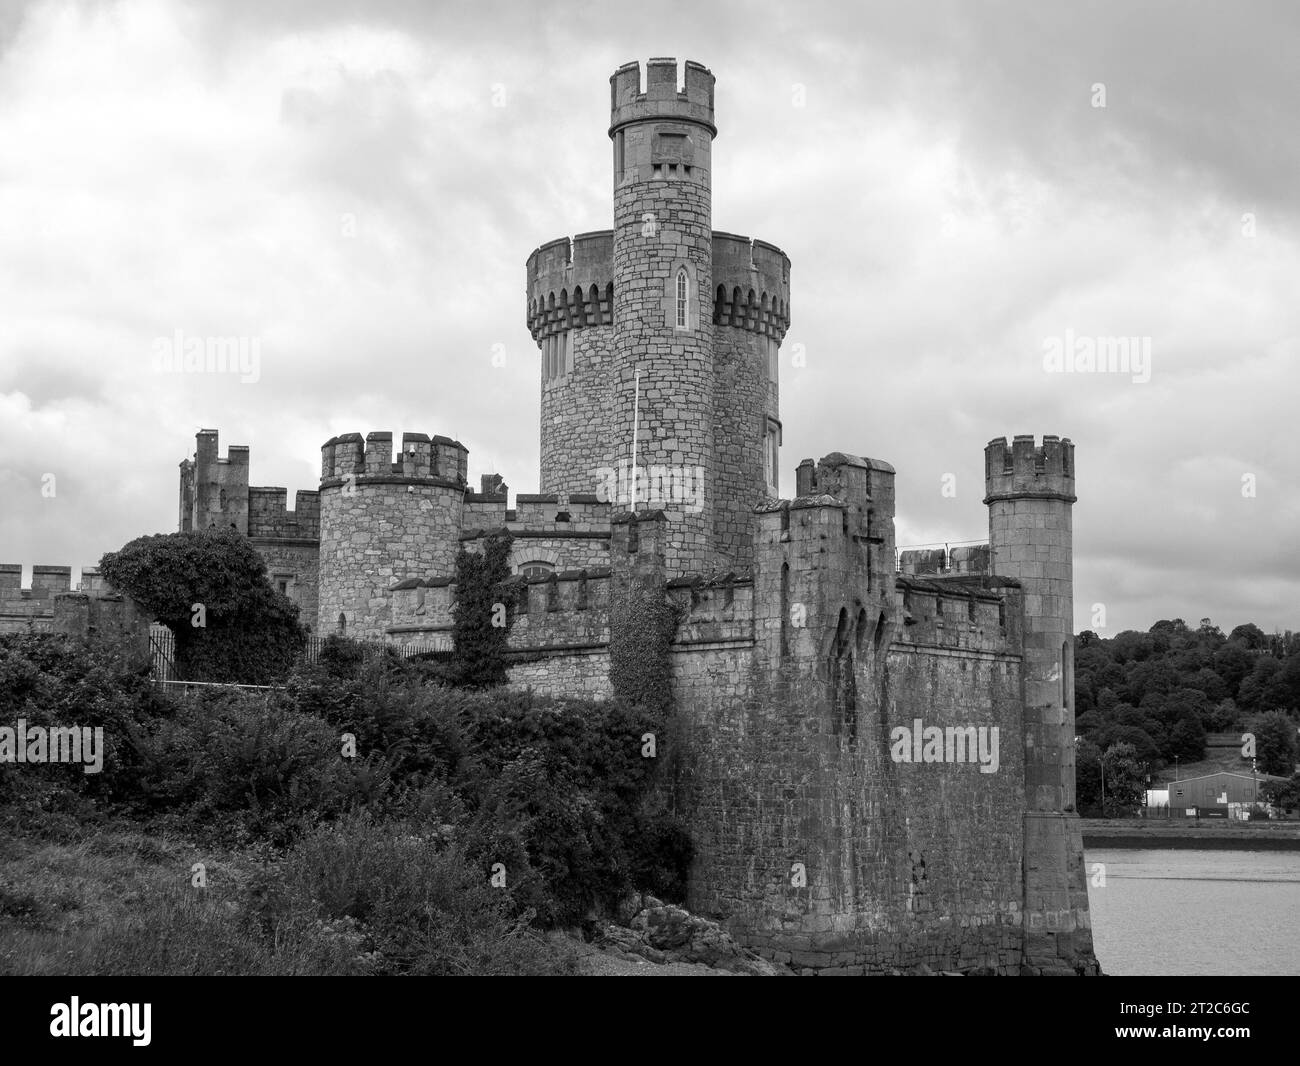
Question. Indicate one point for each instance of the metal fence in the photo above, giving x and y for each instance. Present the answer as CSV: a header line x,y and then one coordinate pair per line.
x,y
162,645
1234,813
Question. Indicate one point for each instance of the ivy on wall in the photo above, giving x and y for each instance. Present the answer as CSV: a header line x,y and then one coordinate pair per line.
x,y
482,614
642,624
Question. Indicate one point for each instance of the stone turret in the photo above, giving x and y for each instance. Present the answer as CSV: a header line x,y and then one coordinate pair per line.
x,y
383,520
1030,493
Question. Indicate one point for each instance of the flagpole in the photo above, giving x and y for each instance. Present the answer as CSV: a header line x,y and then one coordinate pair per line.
x,y
636,425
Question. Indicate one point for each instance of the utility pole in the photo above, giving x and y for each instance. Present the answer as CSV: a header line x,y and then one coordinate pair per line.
x,y
636,425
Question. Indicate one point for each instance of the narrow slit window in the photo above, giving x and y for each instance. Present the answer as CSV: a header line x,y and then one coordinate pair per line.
x,y
683,292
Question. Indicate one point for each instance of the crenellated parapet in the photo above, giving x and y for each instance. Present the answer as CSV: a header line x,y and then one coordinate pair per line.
x,y
270,517
571,284
34,608
1026,470
661,100
751,281
384,519
214,488
967,559
354,459
971,613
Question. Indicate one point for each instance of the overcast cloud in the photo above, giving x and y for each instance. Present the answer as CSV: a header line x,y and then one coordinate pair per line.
x,y
334,180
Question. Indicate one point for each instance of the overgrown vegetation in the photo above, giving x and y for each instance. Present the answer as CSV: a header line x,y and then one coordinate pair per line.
x,y
210,589
482,614
396,824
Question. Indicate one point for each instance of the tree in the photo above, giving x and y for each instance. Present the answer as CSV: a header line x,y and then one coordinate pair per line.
x,y
1249,636
1283,794
1258,691
1115,774
210,588
1209,683
1224,717
1232,663
1275,743
1087,778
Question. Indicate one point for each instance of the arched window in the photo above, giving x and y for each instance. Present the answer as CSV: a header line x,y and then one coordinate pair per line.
x,y
343,623
683,292
537,569
1065,675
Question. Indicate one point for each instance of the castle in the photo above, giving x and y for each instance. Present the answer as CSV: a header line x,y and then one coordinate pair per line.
x,y
877,758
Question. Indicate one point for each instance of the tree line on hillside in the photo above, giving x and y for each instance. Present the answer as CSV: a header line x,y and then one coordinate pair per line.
x,y
1144,701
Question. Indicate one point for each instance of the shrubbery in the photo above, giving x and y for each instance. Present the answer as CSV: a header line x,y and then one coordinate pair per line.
x,y
211,589
555,791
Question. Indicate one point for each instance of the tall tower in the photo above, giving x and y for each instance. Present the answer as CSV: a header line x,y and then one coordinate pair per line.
x,y
1029,490
663,288
214,491
701,316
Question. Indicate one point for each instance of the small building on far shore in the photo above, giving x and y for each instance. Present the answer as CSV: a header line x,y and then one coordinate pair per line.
x,y
1217,790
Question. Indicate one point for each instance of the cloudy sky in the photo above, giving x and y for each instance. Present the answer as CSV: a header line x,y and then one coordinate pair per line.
x,y
357,187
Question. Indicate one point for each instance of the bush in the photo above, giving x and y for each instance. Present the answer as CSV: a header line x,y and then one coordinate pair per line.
x,y
246,768
417,905
250,632
51,681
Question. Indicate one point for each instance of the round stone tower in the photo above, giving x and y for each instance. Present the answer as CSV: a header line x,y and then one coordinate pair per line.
x,y
1029,490
383,521
700,315
663,297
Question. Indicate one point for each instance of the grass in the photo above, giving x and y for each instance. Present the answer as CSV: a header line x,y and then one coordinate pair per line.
x,y
118,901
356,899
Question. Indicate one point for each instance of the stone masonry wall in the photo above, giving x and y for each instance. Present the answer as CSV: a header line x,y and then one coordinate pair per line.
x,y
375,535
676,394
904,863
577,438
299,562
740,404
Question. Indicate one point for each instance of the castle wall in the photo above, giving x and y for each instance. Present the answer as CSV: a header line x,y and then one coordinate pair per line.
x,y
289,541
905,863
298,563
24,610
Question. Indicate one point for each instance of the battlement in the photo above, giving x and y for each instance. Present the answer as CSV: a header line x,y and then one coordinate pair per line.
x,y
570,610
436,460
846,478
1027,470
967,559
269,516
206,450
46,580
977,614
661,100
33,608
752,285
578,512
570,284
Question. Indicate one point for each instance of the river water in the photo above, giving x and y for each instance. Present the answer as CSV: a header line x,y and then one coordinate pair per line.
x,y
1179,912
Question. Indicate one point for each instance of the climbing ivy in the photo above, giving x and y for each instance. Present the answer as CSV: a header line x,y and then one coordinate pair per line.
x,y
482,614
642,624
